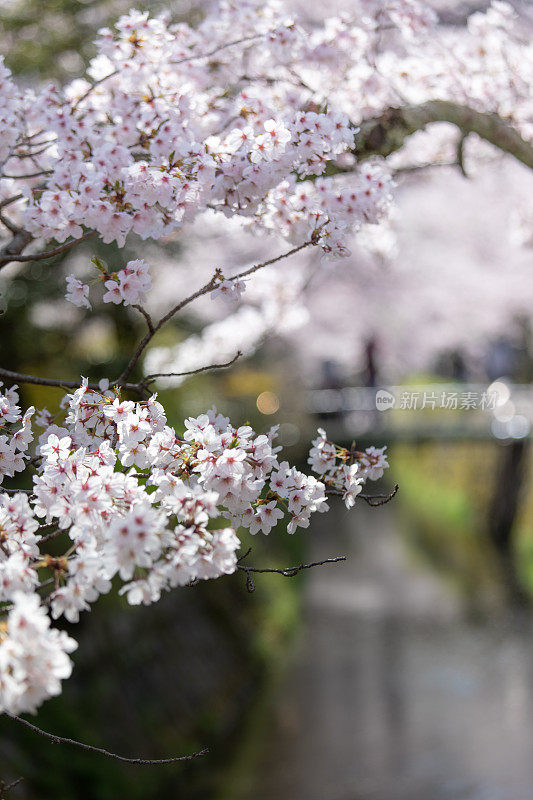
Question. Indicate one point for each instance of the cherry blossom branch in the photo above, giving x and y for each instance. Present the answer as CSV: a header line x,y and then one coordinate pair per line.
x,y
52,535
216,50
7,223
28,175
375,500
410,168
385,134
5,788
146,315
9,200
92,87
287,572
139,387
140,761
10,252
20,377
208,287
154,375
458,162
13,250
251,270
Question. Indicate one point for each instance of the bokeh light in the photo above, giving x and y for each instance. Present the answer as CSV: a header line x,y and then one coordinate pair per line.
x,y
267,403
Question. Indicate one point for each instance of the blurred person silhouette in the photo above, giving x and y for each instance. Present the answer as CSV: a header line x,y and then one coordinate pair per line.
x,y
371,369
501,359
331,378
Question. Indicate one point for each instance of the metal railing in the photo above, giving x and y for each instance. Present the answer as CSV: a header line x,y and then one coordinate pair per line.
x,y
501,410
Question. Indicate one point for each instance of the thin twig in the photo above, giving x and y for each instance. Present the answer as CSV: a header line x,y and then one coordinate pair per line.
x,y
147,338
93,86
9,224
33,155
460,159
52,535
146,315
208,287
141,761
216,50
409,168
287,572
244,555
4,789
374,500
140,386
9,200
271,261
154,375
29,175
20,377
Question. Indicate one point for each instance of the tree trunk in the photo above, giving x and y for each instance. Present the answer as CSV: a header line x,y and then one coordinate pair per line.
x,y
511,472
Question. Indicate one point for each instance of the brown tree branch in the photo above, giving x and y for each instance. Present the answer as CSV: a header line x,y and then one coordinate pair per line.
x,y
29,175
9,200
5,788
141,761
140,386
91,88
411,168
287,572
387,133
20,377
154,375
208,287
274,260
215,50
374,500
9,224
146,315
13,249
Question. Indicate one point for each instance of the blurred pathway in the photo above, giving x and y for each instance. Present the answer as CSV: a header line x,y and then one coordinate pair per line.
x,y
393,695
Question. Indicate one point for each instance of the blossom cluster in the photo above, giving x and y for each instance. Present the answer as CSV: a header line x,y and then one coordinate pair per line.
x,y
335,209
149,140
151,143
229,290
138,505
14,442
345,471
128,285
172,120
33,656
